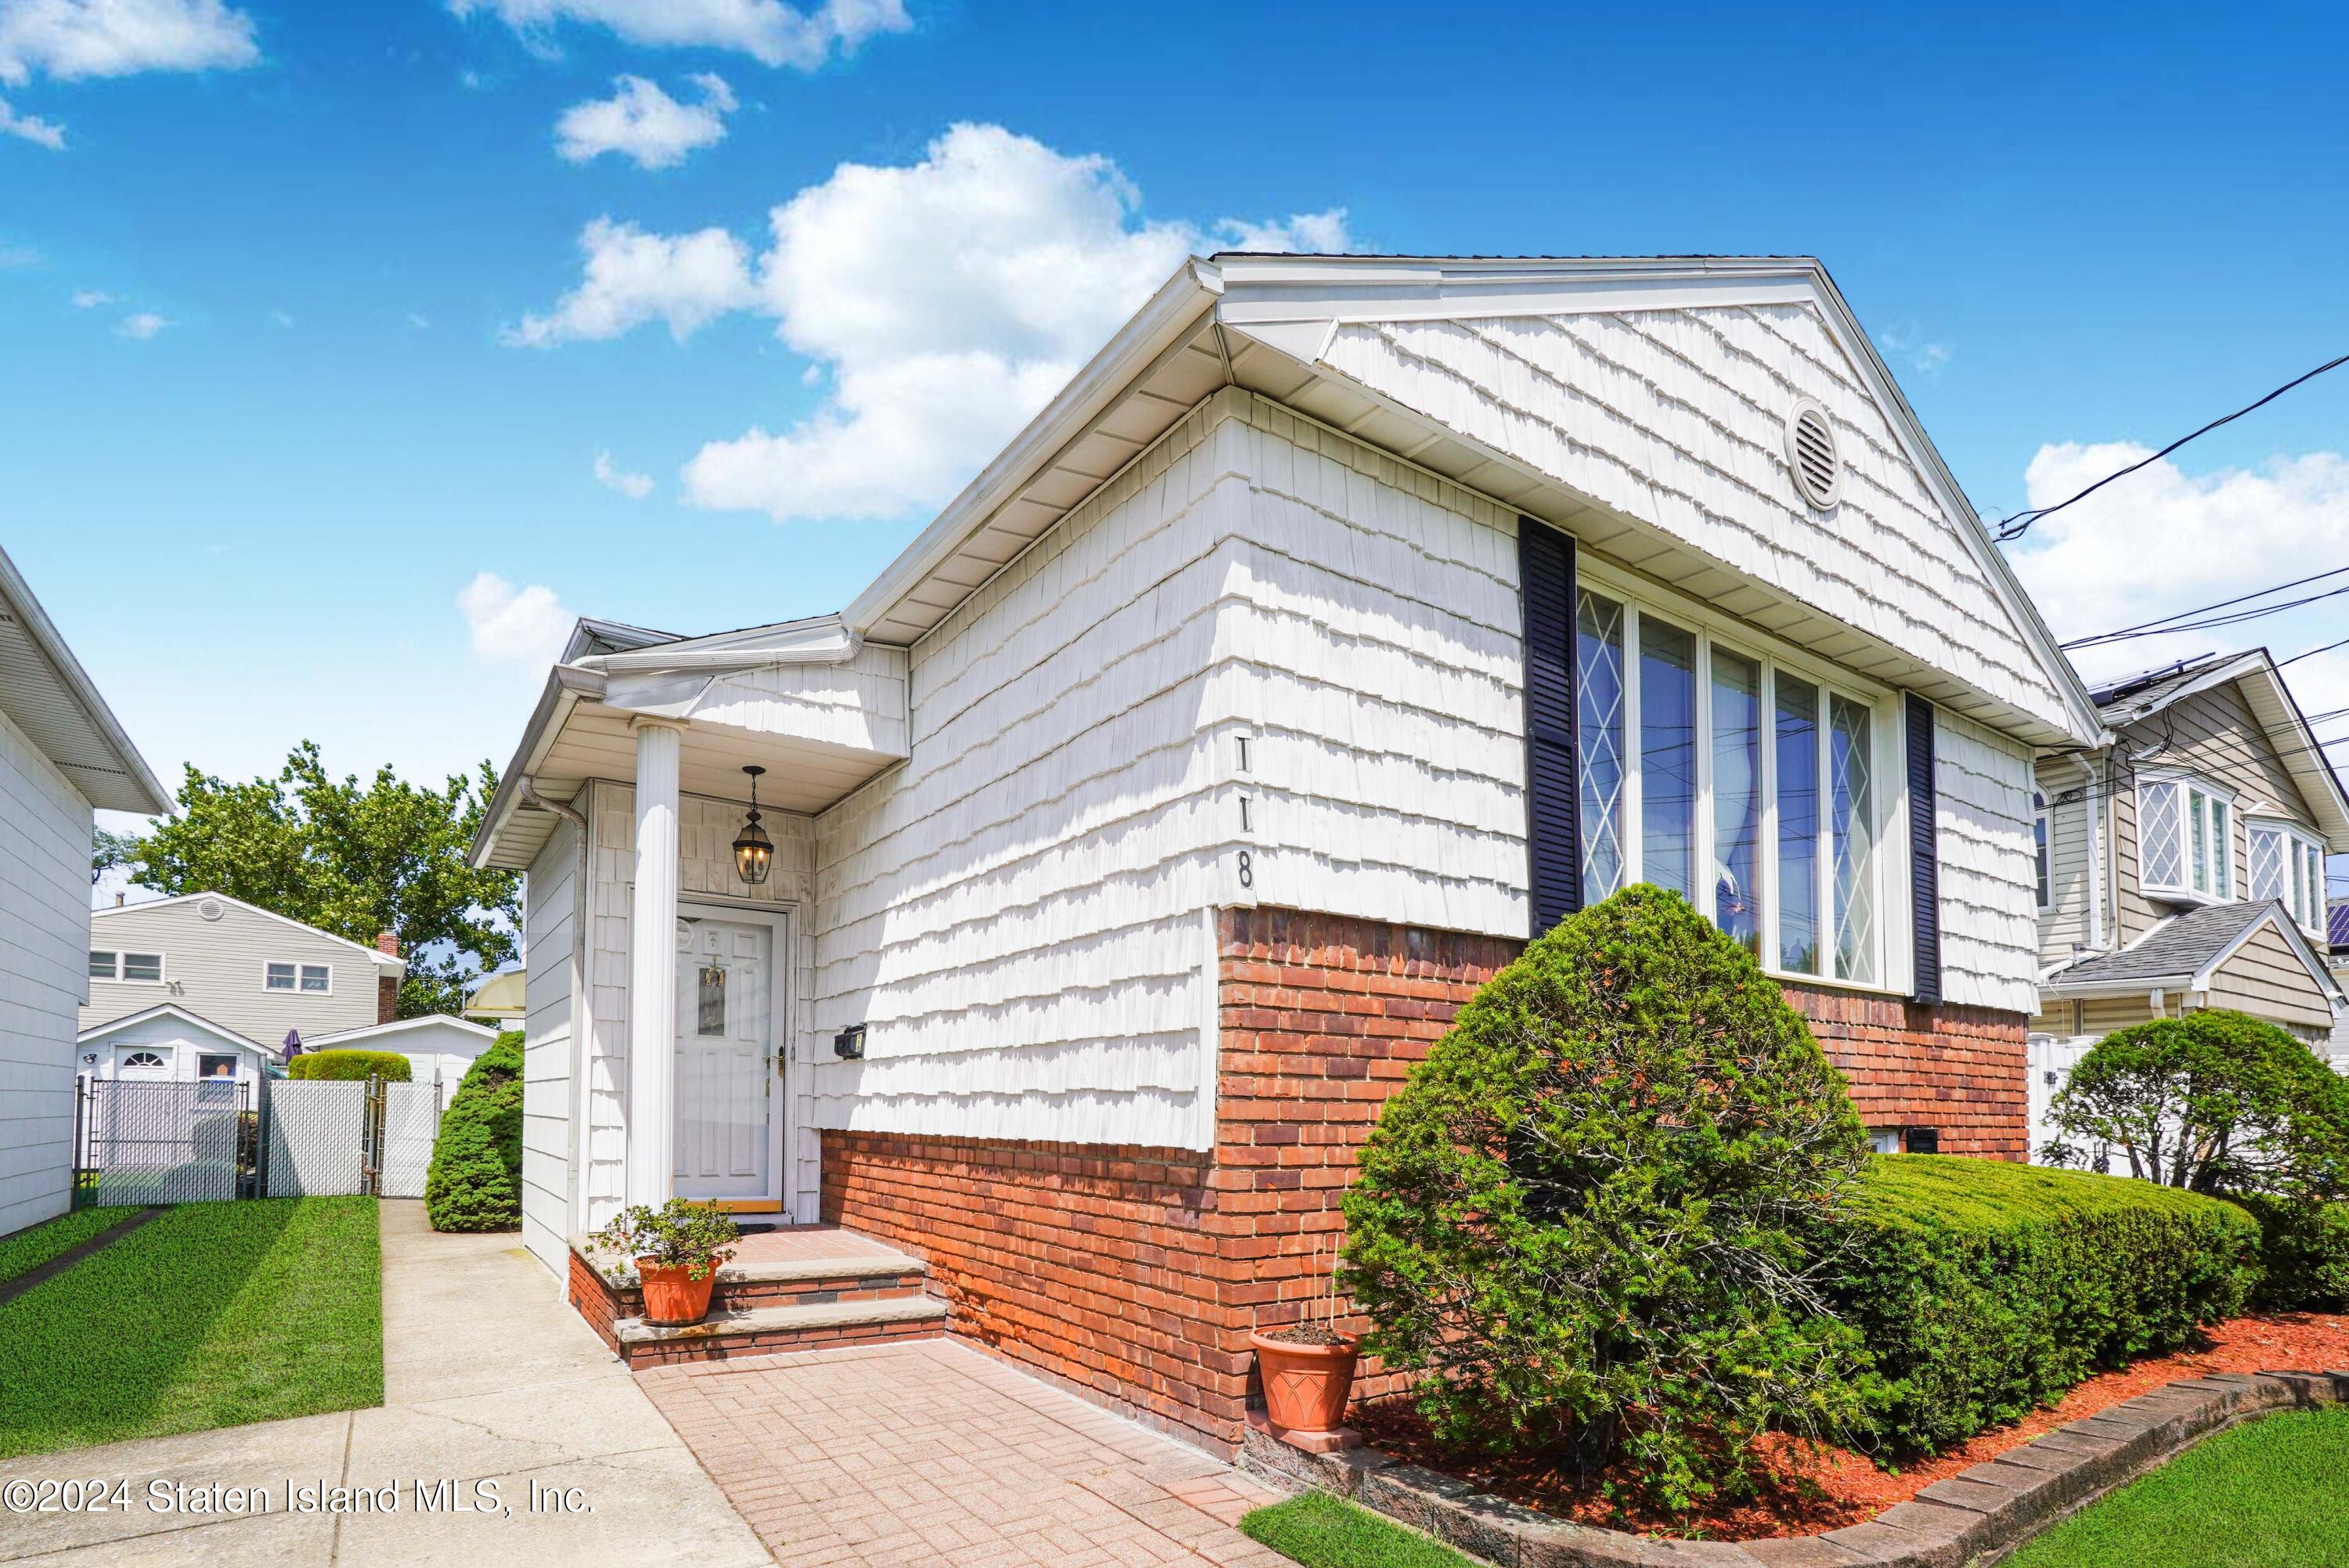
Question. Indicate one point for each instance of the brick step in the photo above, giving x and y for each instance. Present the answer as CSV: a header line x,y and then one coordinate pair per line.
x,y
811,1282
771,1330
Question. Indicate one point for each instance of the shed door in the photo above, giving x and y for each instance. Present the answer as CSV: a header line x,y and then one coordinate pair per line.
x,y
727,1096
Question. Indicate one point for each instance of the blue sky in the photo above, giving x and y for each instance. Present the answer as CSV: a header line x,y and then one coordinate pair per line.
x,y
316,314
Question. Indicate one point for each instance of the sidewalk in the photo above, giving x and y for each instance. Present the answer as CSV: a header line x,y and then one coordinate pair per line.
x,y
489,1378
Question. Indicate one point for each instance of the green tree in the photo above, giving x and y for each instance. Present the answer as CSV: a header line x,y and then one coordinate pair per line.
x,y
348,858
1606,1211
2217,1101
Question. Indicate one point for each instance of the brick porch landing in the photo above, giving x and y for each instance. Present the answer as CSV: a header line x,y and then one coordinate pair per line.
x,y
934,1455
799,1287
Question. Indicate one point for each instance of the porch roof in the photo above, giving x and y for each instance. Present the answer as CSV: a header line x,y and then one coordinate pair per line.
x,y
813,705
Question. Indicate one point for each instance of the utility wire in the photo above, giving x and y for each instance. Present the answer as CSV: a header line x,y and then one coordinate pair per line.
x,y
2311,653
2232,618
2150,628
2016,526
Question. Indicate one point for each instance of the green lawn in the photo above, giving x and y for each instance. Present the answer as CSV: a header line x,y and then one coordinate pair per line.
x,y
28,1249
2272,1494
212,1316
1321,1532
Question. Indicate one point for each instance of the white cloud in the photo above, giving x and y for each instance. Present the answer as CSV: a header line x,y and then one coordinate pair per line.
x,y
30,128
633,277
280,319
141,326
642,122
1923,355
90,299
73,38
2163,541
506,624
1319,234
635,486
419,320
17,256
768,31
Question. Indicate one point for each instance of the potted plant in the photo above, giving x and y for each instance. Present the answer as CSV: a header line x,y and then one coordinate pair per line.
x,y
678,1249
1306,1368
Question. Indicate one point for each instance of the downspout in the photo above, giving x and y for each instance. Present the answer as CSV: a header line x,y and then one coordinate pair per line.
x,y
2096,818
568,813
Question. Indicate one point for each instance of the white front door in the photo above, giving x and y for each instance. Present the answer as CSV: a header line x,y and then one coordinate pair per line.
x,y
726,1094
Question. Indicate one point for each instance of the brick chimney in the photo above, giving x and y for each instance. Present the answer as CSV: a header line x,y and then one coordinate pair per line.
x,y
386,987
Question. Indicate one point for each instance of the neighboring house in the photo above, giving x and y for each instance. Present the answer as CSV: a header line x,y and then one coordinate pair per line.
x,y
1345,622
2337,925
61,754
2182,866
167,1044
252,972
498,1000
438,1047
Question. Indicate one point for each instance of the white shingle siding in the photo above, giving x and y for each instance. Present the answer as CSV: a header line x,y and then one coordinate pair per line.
x,y
45,834
859,704
1990,929
551,895
1673,417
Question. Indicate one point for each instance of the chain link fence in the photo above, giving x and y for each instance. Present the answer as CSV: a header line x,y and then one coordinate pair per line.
x,y
216,1139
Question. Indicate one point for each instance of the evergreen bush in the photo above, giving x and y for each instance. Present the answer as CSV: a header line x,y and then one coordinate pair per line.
x,y
348,1066
1985,1289
1604,1212
2303,1254
474,1183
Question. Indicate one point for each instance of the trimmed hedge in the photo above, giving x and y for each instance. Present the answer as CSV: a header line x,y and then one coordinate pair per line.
x,y
2304,1253
346,1066
1986,1289
474,1183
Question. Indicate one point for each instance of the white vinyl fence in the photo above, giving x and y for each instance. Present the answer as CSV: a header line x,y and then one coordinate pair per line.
x,y
317,1138
210,1142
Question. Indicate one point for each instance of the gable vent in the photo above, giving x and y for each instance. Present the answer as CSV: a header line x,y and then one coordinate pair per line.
x,y
1811,453
211,908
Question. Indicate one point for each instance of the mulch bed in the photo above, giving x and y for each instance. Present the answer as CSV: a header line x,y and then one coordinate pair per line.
x,y
1823,1487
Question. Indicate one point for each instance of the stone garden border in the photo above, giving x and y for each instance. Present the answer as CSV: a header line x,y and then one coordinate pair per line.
x,y
1973,1518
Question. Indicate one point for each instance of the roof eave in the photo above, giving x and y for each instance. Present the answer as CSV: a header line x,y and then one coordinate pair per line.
x,y
566,687
148,794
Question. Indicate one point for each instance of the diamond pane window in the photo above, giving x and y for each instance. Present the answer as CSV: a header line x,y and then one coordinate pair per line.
x,y
1599,664
2268,870
2160,843
1848,742
2197,807
2222,851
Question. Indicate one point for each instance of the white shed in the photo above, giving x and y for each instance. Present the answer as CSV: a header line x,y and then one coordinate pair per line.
x,y
167,1044
436,1046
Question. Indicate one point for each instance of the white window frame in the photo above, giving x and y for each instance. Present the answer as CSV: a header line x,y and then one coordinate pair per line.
x,y
121,974
297,988
2303,867
2043,834
1890,951
2217,865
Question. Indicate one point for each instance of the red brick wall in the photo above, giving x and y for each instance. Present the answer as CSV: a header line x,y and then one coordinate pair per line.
x,y
1138,1273
1959,1070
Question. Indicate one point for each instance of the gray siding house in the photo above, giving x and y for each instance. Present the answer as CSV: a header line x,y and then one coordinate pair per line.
x,y
237,965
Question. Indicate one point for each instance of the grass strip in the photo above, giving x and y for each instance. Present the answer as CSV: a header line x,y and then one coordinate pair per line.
x,y
2266,1495
28,1249
1323,1532
213,1315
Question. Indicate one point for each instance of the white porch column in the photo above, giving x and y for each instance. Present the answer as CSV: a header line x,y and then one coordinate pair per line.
x,y
652,966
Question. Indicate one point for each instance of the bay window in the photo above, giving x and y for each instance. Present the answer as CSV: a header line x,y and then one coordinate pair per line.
x,y
2288,865
2186,843
1749,786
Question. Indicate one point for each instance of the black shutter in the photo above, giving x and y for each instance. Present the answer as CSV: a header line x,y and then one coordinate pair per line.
x,y
1924,854
1553,823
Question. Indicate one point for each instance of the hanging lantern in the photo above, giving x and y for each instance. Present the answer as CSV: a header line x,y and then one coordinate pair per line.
x,y
754,853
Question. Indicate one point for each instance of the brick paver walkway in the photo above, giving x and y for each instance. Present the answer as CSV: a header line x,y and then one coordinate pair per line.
x,y
929,1452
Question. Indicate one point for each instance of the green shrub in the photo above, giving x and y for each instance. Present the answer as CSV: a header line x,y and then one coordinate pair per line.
x,y
1601,1211
474,1183
2303,1254
346,1066
1985,1289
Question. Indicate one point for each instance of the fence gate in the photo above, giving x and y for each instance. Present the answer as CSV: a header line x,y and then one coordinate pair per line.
x,y
164,1143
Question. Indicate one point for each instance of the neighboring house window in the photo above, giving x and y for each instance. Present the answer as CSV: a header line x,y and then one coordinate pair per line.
x,y
1748,788
313,977
145,968
2185,839
2041,835
2288,865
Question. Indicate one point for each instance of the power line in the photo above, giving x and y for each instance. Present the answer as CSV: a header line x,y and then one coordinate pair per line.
x,y
2233,618
2148,627
2311,653
2016,526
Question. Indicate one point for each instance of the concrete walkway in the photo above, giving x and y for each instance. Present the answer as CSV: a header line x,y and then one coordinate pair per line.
x,y
929,1454
489,1378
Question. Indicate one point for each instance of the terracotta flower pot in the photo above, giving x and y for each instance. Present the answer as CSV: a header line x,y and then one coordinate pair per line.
x,y
672,1296
1305,1386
